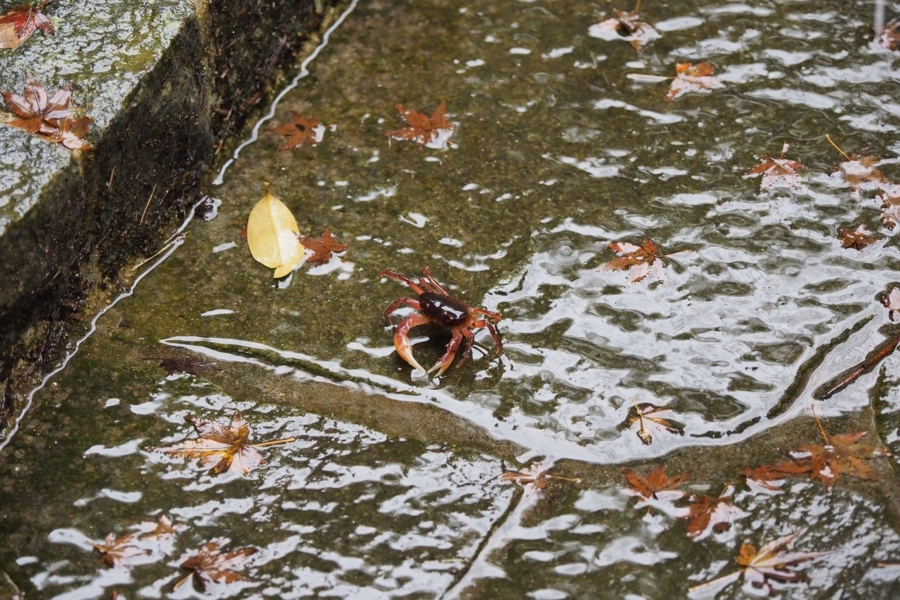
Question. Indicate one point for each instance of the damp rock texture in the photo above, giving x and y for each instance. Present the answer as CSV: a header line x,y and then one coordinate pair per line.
x,y
165,83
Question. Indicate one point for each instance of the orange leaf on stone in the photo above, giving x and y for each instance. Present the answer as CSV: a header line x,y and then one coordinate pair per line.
x,y
20,22
322,249
421,127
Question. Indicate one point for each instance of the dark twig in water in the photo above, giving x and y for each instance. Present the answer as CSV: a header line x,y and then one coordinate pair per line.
x,y
860,370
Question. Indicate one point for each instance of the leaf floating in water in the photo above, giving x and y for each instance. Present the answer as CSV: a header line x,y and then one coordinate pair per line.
x,y
639,261
759,568
322,249
222,447
165,528
209,565
693,78
892,302
716,513
857,238
889,37
625,26
272,235
840,454
776,171
116,551
302,130
890,205
769,478
656,484
649,418
20,22
423,128
859,170
533,478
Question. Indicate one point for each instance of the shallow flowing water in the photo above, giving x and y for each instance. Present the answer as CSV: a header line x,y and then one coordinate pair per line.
x,y
559,148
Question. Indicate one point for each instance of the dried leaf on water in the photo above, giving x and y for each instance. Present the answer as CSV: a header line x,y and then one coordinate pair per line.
x,y
272,235
840,454
650,419
20,22
857,238
191,365
767,564
889,37
165,528
767,477
535,477
210,565
322,249
859,171
716,513
625,26
640,261
892,302
776,172
889,196
656,484
116,551
693,78
222,447
421,127
302,130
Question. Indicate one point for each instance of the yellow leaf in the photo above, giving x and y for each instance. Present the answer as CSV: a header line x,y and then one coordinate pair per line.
x,y
272,235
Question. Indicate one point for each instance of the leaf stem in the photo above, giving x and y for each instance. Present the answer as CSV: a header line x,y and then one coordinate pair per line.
x,y
819,423
274,442
572,479
637,7
838,148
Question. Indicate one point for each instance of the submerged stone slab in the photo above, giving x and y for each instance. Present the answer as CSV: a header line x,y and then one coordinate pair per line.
x,y
165,82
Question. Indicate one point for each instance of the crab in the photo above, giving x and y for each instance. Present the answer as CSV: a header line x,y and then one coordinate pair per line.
x,y
435,305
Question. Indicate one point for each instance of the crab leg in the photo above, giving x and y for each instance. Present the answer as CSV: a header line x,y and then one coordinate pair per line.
x,y
401,338
493,332
414,304
431,283
449,353
403,278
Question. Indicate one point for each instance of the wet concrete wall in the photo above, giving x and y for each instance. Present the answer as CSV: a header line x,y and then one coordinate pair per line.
x,y
84,217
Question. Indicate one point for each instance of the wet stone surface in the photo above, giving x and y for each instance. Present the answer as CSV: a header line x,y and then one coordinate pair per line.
x,y
391,486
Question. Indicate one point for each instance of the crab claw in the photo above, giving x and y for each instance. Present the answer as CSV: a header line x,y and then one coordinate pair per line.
x,y
401,339
449,353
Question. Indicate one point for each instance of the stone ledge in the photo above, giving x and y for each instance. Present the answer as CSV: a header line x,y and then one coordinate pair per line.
x,y
167,83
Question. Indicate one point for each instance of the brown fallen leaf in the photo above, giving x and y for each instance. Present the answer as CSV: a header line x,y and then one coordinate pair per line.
x,y
656,482
625,26
423,128
858,170
533,478
165,528
692,78
115,551
322,249
48,118
302,130
650,418
889,37
892,302
765,476
209,565
640,261
857,238
840,454
769,563
20,22
706,512
222,447
191,365
889,195
776,171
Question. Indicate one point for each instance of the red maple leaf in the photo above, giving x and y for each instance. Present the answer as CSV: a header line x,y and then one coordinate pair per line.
x,y
692,78
210,565
840,454
20,22
116,551
776,171
857,238
421,127
889,37
302,130
49,118
860,172
655,482
322,249
640,260
706,512
535,477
